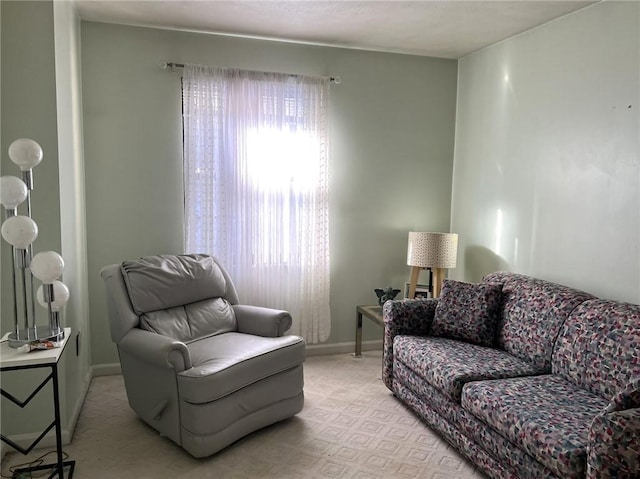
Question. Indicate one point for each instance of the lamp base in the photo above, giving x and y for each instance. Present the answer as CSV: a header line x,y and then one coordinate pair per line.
x,y
25,336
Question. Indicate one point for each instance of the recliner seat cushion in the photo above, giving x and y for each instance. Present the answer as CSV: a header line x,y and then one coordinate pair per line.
x,y
167,281
448,364
545,415
228,362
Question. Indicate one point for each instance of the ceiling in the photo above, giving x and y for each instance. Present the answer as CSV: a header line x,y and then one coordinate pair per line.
x,y
437,28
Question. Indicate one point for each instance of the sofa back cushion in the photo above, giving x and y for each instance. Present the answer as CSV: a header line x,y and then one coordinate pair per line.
x,y
468,312
599,347
533,311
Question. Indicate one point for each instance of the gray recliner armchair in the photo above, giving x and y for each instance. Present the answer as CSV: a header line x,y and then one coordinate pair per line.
x,y
198,367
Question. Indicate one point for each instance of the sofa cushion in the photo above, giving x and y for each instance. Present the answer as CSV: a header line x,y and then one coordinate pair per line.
x,y
228,362
545,415
533,311
195,320
598,347
439,411
468,311
167,281
448,364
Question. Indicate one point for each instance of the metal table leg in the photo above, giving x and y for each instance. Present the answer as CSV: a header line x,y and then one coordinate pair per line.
x,y
358,353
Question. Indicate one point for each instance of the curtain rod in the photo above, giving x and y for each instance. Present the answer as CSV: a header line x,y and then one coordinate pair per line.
x,y
173,66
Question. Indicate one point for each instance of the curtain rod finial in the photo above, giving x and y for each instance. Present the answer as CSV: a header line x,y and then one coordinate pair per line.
x,y
163,64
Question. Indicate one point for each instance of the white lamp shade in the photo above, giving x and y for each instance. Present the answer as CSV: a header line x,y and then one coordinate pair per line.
x,y
60,296
19,231
432,250
25,153
13,191
47,266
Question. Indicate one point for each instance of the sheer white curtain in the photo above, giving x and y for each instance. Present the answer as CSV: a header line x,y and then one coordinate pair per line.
x,y
256,181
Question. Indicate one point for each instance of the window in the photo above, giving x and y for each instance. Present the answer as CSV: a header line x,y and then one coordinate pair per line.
x,y
256,180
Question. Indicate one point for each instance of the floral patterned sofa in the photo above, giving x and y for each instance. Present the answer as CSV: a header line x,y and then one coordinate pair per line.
x,y
526,378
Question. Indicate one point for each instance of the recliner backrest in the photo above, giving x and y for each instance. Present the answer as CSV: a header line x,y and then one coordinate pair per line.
x,y
181,296
166,281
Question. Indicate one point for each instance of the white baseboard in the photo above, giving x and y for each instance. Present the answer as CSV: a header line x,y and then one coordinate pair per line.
x,y
49,440
112,369
75,414
342,348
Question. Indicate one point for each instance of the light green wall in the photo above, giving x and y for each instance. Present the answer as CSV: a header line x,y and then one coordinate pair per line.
x,y
29,110
547,169
40,100
392,130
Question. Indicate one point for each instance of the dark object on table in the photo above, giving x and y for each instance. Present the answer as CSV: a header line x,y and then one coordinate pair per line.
x,y
386,294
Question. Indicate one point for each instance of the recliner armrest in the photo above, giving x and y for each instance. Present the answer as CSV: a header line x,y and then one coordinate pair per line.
x,y
260,321
156,349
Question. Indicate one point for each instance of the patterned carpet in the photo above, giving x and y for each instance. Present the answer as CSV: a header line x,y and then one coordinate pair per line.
x,y
351,427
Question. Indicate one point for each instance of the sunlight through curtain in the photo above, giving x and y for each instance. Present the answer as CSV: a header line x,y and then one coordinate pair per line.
x,y
256,181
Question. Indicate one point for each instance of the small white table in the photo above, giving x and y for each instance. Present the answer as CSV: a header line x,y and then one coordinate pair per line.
x,y
13,360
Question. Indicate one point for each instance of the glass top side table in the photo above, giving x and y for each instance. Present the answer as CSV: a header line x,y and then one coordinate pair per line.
x,y
372,312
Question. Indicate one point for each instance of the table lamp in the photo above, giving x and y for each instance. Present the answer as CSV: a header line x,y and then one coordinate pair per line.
x,y
433,251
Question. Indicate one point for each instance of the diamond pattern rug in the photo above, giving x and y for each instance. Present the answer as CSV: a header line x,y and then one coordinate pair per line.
x,y
351,427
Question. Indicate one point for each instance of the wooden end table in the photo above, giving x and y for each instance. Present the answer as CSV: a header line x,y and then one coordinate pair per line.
x,y
372,312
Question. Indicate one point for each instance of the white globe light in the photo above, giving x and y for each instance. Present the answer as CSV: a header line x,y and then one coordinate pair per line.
x,y
19,231
25,153
13,191
47,266
60,296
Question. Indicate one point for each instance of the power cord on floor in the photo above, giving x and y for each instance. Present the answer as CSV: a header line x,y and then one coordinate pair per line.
x,y
35,463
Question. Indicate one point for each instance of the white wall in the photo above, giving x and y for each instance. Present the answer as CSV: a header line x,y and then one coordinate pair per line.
x,y
547,170
76,362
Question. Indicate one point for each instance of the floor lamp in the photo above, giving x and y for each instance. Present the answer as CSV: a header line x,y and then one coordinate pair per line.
x,y
20,231
433,251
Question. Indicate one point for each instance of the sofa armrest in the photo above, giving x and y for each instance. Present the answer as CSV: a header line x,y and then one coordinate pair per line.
x,y
628,398
406,317
614,445
260,321
157,350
